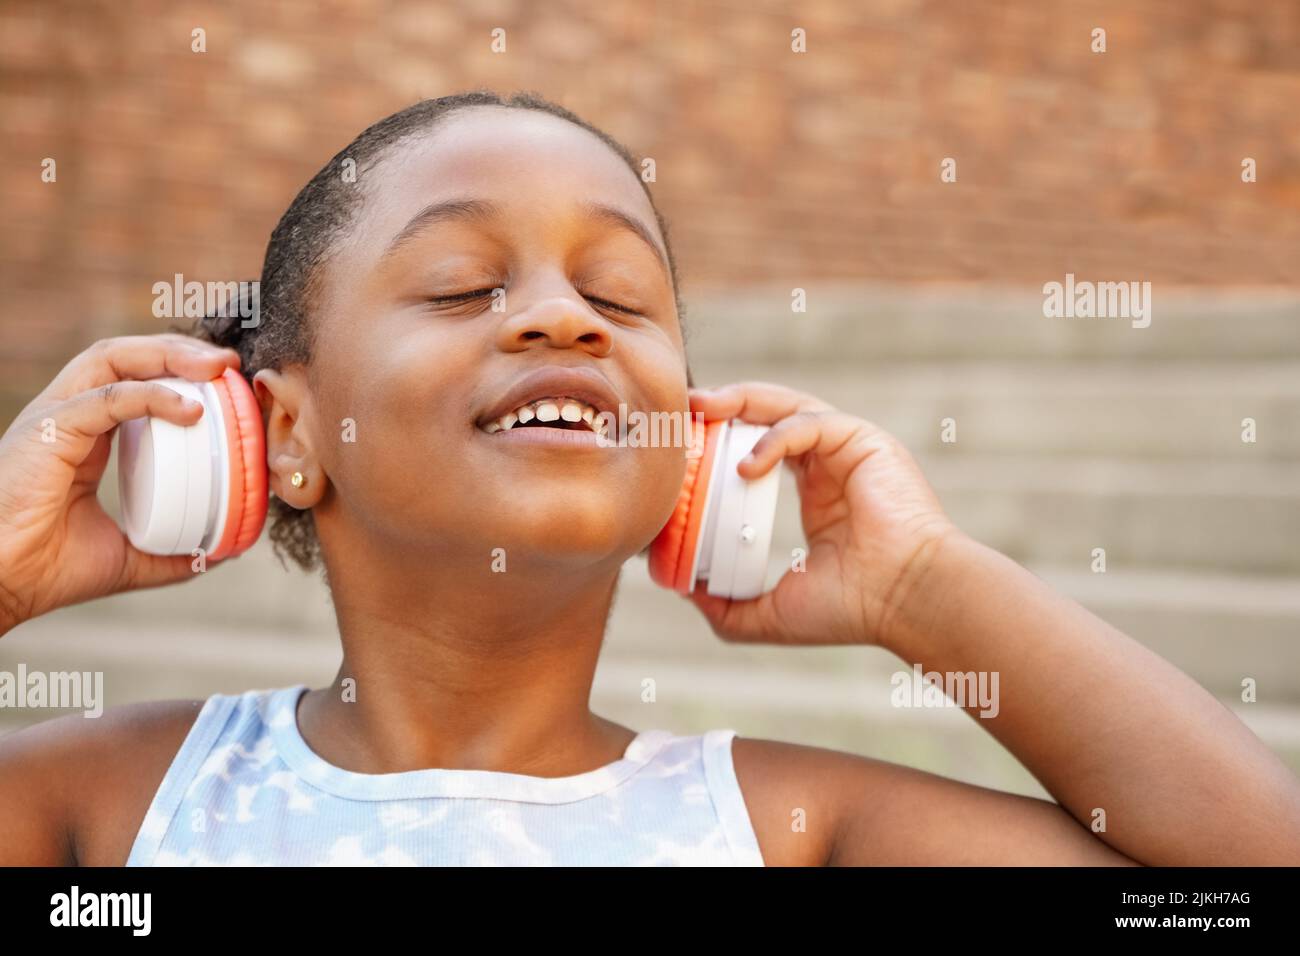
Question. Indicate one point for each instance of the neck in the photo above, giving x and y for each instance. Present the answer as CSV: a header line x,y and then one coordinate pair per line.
x,y
455,665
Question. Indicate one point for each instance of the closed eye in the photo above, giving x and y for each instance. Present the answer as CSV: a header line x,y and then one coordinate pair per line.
x,y
460,297
606,304
479,293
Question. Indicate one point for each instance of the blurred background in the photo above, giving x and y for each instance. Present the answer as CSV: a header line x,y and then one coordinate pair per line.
x,y
777,171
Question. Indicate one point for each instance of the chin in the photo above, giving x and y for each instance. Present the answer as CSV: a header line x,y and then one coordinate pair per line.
x,y
574,534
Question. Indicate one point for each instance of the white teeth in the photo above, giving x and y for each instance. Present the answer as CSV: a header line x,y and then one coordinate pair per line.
x,y
548,410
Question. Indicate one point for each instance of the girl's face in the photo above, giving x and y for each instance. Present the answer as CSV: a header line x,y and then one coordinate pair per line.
x,y
409,347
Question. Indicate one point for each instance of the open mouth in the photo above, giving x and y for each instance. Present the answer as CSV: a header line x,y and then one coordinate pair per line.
x,y
557,411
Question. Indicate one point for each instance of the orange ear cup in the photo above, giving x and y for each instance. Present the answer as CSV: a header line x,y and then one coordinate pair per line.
x,y
672,554
247,444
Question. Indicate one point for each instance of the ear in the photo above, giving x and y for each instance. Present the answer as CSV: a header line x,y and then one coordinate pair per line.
x,y
286,407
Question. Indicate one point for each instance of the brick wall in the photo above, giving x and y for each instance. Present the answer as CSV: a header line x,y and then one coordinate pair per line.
x,y
774,165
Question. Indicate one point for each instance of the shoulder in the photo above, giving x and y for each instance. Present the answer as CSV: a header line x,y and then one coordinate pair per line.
x,y
77,788
815,806
795,796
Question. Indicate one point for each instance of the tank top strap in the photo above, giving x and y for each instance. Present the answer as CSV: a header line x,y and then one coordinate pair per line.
x,y
728,800
216,720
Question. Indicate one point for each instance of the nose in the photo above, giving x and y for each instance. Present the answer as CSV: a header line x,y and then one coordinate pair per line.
x,y
557,322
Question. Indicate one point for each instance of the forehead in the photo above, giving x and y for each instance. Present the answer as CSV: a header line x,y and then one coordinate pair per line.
x,y
524,160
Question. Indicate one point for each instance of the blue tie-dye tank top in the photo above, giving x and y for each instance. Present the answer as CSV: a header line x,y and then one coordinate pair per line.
x,y
245,789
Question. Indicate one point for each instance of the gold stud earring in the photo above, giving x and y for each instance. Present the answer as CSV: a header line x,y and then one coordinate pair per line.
x,y
297,480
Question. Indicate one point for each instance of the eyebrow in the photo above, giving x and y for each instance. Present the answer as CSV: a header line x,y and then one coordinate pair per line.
x,y
482,210
455,210
614,216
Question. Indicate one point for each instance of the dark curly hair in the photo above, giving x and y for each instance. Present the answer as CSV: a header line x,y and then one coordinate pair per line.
x,y
303,241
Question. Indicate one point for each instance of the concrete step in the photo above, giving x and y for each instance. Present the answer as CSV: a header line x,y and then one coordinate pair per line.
x,y
1204,516
961,321
1219,629
253,591
1209,515
846,708
1157,409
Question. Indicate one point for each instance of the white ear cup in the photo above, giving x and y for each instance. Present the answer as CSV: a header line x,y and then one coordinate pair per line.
x,y
736,535
172,479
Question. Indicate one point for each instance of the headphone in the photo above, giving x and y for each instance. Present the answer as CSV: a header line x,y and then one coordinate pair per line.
x,y
204,486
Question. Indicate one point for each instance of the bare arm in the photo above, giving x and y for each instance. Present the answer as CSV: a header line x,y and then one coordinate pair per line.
x,y
811,806
35,818
74,790
1099,719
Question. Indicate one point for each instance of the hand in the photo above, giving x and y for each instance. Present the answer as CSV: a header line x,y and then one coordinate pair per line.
x,y
57,544
871,521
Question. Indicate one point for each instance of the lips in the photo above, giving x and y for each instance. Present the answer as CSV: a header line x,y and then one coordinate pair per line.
x,y
581,385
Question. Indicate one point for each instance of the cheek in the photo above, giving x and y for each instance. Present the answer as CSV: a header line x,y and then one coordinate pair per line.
x,y
668,465
664,470
385,430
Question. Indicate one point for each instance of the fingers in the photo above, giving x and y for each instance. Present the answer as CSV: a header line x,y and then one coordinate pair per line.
x,y
839,442
738,621
800,424
762,403
154,570
140,357
99,410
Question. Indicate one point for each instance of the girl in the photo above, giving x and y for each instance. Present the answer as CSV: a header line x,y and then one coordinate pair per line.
x,y
458,728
